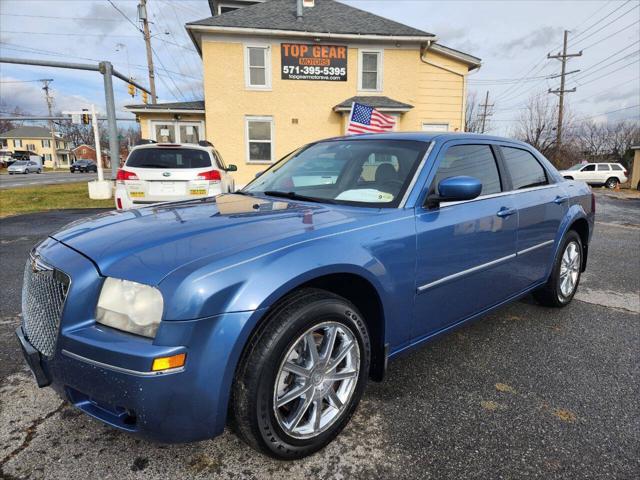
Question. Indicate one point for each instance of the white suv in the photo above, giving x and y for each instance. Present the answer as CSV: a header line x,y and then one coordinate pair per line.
x,y
608,174
164,172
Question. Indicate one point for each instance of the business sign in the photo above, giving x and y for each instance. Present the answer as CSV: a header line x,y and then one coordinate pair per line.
x,y
313,62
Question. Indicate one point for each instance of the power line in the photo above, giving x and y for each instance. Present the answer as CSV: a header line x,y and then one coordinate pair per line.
x,y
578,35
605,26
582,77
125,16
609,73
84,19
67,34
612,35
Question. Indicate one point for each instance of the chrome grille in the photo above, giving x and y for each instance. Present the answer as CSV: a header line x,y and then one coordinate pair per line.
x,y
43,292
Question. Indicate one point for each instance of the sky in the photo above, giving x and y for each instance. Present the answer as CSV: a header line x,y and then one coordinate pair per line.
x,y
512,38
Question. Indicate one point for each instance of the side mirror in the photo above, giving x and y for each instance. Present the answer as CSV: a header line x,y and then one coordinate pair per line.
x,y
231,168
455,189
258,174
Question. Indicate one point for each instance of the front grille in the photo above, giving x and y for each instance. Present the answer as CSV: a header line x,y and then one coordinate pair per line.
x,y
43,292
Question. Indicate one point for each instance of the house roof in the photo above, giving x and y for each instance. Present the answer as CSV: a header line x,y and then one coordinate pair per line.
x,y
83,145
195,105
28,132
326,17
379,102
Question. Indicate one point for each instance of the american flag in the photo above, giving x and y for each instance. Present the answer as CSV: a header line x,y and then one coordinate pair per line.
x,y
365,119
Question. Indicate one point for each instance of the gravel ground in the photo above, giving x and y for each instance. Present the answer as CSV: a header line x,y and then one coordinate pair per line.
x,y
527,392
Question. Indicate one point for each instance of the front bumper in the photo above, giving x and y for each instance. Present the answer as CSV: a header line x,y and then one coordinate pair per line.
x,y
107,373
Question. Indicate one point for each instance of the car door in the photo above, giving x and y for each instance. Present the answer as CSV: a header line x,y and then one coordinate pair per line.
x,y
588,173
465,250
542,204
603,172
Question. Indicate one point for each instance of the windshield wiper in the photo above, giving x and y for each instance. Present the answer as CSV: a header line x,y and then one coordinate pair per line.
x,y
296,196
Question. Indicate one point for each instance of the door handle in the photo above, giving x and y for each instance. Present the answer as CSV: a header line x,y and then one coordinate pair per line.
x,y
505,212
558,200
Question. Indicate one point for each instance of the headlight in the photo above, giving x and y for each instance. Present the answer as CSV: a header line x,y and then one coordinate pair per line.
x,y
130,306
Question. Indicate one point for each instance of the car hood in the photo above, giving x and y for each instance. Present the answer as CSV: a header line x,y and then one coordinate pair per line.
x,y
147,244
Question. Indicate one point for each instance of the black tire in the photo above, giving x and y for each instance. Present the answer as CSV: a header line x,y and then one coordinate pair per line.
x,y
26,171
253,415
550,294
611,183
568,178
38,171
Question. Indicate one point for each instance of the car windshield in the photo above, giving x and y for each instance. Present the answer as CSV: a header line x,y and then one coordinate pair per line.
x,y
577,167
373,173
19,163
169,158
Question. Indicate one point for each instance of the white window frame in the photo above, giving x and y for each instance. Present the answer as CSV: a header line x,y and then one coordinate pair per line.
x,y
267,66
17,143
439,124
379,83
46,143
253,118
176,124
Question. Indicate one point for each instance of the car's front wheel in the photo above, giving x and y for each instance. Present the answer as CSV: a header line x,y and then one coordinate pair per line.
x,y
26,170
565,276
302,375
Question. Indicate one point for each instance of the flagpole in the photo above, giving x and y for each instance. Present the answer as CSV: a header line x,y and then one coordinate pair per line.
x,y
350,117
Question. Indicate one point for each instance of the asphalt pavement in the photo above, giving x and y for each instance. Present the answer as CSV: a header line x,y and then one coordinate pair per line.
x,y
45,178
527,392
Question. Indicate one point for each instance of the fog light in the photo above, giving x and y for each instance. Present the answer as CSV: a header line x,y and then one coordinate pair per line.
x,y
164,363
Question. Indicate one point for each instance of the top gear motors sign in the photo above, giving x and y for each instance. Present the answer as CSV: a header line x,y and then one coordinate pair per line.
x,y
313,62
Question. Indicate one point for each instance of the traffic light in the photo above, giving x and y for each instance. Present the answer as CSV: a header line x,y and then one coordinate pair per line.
x,y
132,90
85,117
145,99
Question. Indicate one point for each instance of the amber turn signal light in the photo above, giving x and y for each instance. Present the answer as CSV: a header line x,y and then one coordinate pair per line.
x,y
164,363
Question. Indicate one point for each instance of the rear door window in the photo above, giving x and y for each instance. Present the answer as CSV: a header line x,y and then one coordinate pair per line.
x,y
524,169
470,160
603,167
169,158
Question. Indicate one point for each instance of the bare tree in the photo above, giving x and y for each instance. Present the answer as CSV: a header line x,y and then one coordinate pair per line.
x,y
536,125
471,119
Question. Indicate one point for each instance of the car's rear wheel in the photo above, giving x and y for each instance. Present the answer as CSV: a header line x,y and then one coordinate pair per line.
x,y
26,170
565,276
612,183
302,375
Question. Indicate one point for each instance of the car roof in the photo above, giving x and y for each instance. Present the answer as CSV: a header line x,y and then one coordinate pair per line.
x,y
429,137
170,145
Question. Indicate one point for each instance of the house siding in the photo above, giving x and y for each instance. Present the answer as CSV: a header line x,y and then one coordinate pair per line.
x,y
437,95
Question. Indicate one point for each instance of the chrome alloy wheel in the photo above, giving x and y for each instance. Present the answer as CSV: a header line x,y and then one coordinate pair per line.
x,y
316,380
570,269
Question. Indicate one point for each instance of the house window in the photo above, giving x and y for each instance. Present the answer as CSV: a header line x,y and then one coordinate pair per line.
x,y
84,151
370,77
257,66
47,157
259,135
17,143
46,143
31,146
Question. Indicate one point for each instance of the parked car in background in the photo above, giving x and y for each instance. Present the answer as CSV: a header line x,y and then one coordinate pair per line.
x,y
270,308
5,158
163,172
24,166
83,166
607,174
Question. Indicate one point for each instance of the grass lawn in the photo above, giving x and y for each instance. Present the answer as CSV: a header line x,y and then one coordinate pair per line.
x,y
15,201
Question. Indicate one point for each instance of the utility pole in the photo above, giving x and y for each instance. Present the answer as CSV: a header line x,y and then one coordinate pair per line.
x,y
54,156
484,113
142,14
561,91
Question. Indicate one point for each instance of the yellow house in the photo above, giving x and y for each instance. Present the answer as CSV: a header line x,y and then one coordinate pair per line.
x,y
635,168
38,141
276,78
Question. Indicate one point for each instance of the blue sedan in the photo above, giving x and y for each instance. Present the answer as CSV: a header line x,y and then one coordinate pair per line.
x,y
269,309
